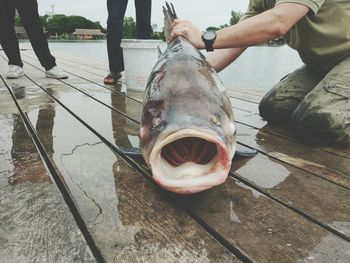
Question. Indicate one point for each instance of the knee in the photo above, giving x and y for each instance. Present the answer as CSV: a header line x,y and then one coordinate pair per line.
x,y
272,110
321,127
266,107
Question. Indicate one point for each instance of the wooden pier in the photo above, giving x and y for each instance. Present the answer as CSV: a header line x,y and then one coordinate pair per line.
x,y
67,195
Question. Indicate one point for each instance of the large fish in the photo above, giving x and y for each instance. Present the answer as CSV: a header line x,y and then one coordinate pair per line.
x,y
187,133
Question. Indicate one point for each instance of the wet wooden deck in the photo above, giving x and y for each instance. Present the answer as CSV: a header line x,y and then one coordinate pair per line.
x,y
67,195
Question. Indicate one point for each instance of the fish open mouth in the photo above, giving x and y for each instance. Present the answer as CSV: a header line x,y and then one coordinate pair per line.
x,y
190,161
189,149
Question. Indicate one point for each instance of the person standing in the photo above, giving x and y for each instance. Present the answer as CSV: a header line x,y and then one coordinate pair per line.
x,y
28,12
116,12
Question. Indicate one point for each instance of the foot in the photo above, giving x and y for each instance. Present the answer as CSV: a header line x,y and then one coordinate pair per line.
x,y
112,78
14,72
56,73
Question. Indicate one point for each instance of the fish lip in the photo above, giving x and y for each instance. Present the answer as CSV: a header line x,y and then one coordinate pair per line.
x,y
220,165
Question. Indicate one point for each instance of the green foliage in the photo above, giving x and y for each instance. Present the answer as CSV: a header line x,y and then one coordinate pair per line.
x,y
18,21
235,17
129,28
63,26
60,24
215,28
158,35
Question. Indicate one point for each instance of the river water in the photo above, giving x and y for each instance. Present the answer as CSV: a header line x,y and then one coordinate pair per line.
x,y
257,68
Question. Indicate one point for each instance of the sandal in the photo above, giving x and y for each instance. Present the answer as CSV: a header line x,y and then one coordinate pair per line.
x,y
112,78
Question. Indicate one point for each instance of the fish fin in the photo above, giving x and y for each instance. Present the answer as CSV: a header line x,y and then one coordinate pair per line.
x,y
169,17
130,151
243,151
159,52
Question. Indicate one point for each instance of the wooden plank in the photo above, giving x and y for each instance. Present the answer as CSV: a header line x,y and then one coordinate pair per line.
x,y
86,65
309,159
128,218
299,181
256,121
35,223
247,115
253,92
322,201
289,225
133,109
244,96
76,75
29,63
86,61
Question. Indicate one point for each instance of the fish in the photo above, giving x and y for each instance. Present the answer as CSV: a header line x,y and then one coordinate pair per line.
x,y
187,128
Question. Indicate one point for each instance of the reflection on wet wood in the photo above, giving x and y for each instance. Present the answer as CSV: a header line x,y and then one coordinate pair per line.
x,y
294,186
98,114
243,96
323,164
130,219
35,223
77,74
261,228
326,193
323,191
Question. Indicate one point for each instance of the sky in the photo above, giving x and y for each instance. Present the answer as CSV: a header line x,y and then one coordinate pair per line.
x,y
201,13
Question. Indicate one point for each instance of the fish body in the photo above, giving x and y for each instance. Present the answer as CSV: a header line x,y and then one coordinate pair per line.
x,y
187,133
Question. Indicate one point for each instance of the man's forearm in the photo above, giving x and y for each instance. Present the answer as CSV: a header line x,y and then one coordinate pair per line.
x,y
221,58
261,28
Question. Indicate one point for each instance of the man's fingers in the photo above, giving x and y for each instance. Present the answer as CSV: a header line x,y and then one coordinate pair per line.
x,y
171,37
180,27
179,21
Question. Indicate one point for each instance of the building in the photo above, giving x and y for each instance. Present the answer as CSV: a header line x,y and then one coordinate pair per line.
x,y
22,34
88,34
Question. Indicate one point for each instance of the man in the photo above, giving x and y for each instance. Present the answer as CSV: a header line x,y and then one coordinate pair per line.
x,y
314,99
116,12
28,11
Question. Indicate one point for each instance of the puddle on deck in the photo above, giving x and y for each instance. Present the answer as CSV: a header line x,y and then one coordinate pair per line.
x,y
123,209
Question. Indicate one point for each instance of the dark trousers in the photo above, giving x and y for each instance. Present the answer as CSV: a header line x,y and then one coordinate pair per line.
x,y
28,11
116,12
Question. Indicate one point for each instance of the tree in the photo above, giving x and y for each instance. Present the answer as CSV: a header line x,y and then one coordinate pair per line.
x,y
18,21
215,28
61,24
129,28
235,17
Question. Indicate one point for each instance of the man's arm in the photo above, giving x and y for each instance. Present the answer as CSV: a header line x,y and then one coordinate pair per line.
x,y
257,29
221,58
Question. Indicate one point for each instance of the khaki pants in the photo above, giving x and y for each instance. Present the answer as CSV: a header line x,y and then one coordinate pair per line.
x,y
316,105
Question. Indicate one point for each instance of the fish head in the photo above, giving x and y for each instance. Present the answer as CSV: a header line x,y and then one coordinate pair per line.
x,y
187,133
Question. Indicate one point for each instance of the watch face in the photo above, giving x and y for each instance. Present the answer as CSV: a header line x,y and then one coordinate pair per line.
x,y
209,35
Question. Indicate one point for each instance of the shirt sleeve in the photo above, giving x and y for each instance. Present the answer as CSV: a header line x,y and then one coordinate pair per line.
x,y
254,8
314,5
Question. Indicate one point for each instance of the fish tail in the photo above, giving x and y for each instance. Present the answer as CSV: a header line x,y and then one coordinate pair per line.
x,y
169,17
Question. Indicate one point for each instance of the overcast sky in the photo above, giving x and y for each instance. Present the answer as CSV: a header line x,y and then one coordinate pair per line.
x,y
201,13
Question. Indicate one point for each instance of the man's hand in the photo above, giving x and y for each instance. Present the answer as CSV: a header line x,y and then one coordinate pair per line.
x,y
186,29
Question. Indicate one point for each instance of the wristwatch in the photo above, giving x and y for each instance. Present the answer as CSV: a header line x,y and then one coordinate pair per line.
x,y
208,38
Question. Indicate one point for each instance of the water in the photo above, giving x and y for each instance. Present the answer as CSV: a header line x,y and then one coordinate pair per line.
x,y
257,68
261,67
